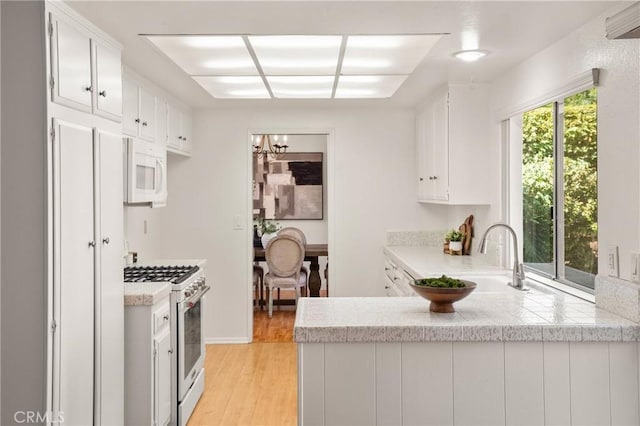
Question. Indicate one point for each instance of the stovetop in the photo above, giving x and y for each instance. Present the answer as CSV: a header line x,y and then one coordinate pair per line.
x,y
173,274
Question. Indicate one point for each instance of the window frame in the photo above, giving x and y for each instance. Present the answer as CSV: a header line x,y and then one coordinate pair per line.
x,y
513,203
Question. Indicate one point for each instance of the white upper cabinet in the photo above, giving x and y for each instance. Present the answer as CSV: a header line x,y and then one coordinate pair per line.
x,y
179,131
138,109
108,90
70,65
453,147
161,124
86,72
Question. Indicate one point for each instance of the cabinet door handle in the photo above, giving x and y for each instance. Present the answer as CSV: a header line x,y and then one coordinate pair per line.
x,y
144,123
166,317
386,287
421,179
435,178
395,278
88,89
103,93
105,240
92,243
387,269
170,351
137,120
184,138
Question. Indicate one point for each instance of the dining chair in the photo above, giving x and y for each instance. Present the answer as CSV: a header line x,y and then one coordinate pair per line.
x,y
258,284
326,277
284,255
296,232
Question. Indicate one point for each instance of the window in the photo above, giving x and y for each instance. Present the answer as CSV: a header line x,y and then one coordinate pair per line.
x,y
559,189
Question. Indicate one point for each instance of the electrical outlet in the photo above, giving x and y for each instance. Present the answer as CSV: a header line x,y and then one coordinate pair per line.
x,y
635,266
612,261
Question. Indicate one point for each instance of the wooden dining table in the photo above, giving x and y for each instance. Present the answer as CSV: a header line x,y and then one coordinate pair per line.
x,y
311,254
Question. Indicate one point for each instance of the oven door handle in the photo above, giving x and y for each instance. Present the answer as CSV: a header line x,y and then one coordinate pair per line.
x,y
188,304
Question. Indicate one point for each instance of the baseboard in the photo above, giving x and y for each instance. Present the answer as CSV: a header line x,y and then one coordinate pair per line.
x,y
226,341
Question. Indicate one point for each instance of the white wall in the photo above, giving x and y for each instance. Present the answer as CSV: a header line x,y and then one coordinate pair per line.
x,y
372,166
143,238
24,210
618,122
0,214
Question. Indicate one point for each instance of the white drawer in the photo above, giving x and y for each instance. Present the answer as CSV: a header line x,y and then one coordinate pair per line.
x,y
161,318
403,284
391,289
390,269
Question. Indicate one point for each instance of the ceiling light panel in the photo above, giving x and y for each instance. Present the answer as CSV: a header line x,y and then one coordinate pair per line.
x,y
207,55
297,55
301,87
234,87
368,86
385,54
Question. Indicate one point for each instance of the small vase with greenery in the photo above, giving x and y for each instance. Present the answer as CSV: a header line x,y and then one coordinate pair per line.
x,y
266,229
455,239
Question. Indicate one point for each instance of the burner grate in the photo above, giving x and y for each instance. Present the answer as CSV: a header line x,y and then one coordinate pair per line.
x,y
173,274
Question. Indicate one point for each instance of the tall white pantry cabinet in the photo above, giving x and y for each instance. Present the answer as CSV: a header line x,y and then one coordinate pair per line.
x,y
62,289
87,315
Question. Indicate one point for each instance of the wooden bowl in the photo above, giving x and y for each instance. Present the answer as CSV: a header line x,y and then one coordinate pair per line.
x,y
441,298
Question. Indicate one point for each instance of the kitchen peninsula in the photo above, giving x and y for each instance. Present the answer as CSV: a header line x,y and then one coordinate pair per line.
x,y
504,357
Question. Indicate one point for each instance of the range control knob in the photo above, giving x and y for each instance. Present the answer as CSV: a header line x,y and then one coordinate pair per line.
x,y
187,293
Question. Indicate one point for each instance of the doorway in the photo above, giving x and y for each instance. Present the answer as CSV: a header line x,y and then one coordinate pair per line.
x,y
288,188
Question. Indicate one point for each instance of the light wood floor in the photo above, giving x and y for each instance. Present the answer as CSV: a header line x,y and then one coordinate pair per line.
x,y
253,384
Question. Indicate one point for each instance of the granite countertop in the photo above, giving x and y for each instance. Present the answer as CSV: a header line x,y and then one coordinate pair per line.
x,y
423,261
493,312
145,294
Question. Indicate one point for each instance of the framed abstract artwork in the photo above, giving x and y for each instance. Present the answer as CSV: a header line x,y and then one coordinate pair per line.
x,y
289,186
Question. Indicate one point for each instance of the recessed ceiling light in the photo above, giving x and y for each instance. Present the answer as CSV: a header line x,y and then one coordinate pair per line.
x,y
231,87
301,86
297,55
386,54
297,66
470,55
368,86
207,55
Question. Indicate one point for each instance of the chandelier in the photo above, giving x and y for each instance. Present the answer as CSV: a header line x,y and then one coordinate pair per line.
x,y
272,149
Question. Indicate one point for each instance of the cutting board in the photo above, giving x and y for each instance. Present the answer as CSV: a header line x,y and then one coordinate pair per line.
x,y
467,229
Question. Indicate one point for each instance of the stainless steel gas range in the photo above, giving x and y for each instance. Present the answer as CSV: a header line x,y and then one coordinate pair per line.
x,y
188,285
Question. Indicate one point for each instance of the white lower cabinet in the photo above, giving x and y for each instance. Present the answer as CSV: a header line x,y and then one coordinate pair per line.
x,y
162,376
468,383
73,290
87,287
396,280
148,354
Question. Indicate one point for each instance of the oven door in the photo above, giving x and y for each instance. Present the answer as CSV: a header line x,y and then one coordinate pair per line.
x,y
190,342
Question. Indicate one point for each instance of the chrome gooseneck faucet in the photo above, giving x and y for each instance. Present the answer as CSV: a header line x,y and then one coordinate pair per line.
x,y
518,269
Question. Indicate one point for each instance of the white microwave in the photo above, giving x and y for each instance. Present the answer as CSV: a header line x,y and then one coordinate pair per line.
x,y
145,166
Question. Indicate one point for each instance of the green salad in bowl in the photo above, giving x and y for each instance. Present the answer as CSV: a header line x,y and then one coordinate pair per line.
x,y
441,282
442,292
